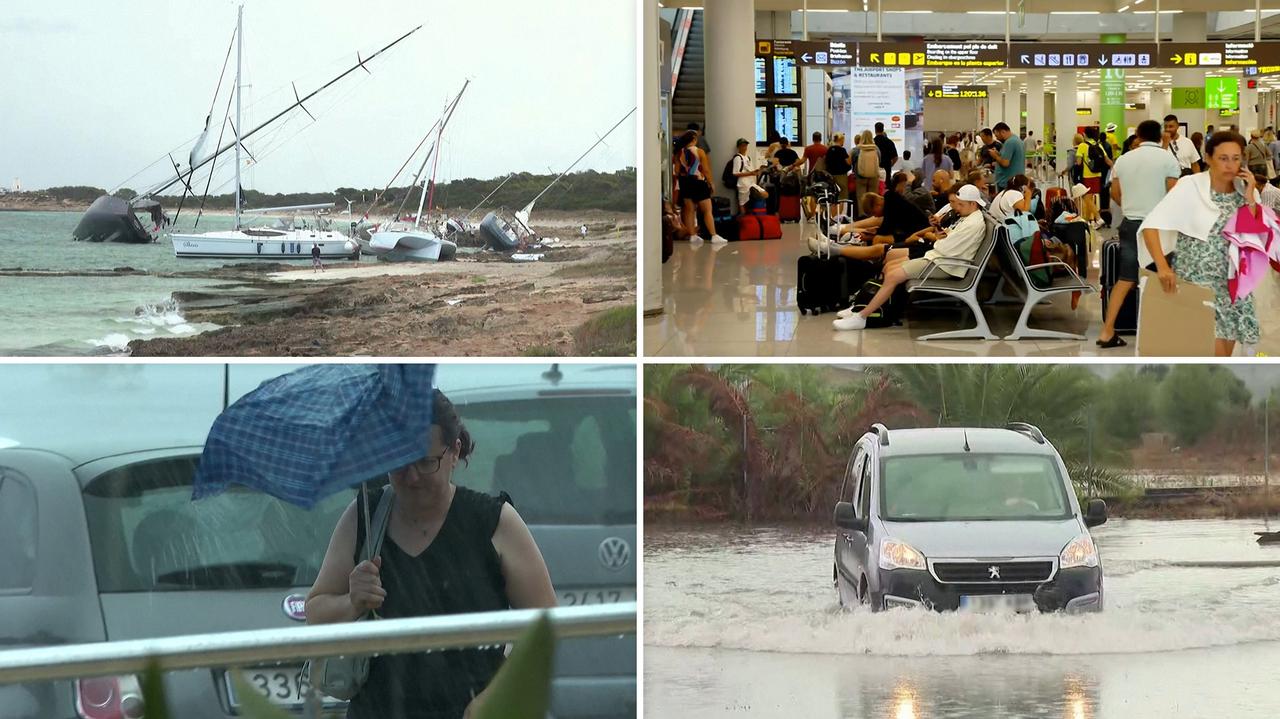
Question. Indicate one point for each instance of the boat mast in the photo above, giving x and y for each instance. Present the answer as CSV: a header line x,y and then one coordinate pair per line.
x,y
529,207
239,48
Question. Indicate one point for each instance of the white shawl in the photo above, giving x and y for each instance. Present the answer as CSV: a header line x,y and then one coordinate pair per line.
x,y
1188,208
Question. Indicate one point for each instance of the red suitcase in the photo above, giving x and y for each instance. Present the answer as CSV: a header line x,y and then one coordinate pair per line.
x,y
759,227
789,208
1051,195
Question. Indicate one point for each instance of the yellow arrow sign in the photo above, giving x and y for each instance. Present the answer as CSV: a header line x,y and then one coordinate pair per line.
x,y
875,57
1177,59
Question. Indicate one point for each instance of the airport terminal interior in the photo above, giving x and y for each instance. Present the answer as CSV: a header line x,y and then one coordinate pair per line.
x,y
766,69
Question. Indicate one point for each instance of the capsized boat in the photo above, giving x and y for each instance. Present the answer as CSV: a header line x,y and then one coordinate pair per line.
x,y
112,219
506,231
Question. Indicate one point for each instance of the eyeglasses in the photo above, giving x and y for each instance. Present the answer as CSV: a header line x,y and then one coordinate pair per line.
x,y
432,464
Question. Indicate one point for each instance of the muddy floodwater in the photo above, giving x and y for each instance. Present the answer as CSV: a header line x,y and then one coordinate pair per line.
x,y
745,623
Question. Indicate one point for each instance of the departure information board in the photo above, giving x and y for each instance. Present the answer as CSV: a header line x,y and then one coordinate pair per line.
x,y
762,76
956,92
786,121
786,81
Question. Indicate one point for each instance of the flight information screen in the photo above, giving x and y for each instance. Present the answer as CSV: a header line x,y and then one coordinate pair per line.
x,y
762,76
786,120
786,79
762,124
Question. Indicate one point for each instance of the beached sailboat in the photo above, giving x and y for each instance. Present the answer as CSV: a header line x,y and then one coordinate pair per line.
x,y
286,241
507,231
418,242
111,219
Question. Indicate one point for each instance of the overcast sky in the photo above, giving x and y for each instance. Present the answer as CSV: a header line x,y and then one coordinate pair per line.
x,y
97,90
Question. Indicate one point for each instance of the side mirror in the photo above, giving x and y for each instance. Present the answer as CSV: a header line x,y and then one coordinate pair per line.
x,y
1096,513
846,519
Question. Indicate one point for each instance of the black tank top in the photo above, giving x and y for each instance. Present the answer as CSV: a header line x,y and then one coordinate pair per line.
x,y
458,572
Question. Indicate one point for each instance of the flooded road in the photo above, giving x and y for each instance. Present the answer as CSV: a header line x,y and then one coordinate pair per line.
x,y
745,623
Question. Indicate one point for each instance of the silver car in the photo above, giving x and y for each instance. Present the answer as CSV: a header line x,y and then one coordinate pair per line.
x,y
101,541
964,519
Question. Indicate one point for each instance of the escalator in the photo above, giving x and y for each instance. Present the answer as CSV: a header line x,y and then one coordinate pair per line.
x,y
688,102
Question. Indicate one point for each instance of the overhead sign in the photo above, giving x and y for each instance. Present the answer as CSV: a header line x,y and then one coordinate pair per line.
x,y
956,92
769,48
827,53
931,54
1221,93
1087,56
1220,54
1262,70
1084,110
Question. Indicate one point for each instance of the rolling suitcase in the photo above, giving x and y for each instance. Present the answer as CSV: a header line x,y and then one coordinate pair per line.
x,y
1076,236
1127,320
822,284
757,227
789,208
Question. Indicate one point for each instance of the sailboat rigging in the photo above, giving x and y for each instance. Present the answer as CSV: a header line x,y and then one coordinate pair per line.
x,y
505,231
112,219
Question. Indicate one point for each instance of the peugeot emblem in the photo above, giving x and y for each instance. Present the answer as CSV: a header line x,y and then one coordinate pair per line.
x,y
295,607
994,571
615,553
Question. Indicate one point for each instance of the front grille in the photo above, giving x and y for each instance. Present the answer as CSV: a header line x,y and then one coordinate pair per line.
x,y
981,572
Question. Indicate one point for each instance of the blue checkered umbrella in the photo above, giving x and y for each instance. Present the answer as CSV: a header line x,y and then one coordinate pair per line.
x,y
313,432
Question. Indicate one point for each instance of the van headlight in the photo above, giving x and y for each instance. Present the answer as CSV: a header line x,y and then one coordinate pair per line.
x,y
899,555
1081,552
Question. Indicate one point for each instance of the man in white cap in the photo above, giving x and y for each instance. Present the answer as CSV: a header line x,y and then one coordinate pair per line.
x,y
960,243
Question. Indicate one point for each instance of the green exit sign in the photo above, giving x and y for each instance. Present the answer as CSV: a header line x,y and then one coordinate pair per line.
x,y
1222,93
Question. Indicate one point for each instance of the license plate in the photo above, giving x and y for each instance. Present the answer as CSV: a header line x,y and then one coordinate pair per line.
x,y
997,603
281,685
596,595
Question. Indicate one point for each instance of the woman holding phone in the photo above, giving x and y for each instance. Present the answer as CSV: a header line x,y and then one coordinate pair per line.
x,y
1183,236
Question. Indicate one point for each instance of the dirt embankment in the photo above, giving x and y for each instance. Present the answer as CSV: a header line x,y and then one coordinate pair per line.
x,y
580,300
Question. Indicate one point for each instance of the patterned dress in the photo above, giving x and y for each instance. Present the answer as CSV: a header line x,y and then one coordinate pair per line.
x,y
1206,263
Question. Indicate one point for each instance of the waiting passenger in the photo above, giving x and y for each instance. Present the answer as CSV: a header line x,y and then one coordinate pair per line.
x,y
837,162
693,182
1016,199
961,243
935,161
942,183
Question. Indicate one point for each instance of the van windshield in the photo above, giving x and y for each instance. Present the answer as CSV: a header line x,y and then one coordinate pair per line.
x,y
147,535
972,487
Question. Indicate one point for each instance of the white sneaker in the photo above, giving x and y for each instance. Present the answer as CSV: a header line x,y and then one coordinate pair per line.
x,y
855,322
718,240
846,313
819,245
695,240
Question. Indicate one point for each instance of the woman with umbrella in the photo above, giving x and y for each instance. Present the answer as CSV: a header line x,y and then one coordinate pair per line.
x,y
447,550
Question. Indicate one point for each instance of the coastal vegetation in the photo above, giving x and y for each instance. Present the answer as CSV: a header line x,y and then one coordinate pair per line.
x,y
590,190
770,442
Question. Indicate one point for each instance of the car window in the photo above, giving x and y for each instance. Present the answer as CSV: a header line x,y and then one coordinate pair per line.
x,y
864,490
147,535
958,487
849,478
17,531
563,460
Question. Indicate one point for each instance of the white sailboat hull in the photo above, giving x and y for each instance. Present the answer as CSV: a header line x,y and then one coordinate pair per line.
x,y
271,245
410,246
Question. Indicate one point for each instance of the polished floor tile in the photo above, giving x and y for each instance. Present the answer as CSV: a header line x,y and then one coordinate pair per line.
x,y
740,300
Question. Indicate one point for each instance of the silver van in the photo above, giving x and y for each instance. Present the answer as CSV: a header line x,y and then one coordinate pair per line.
x,y
101,541
964,519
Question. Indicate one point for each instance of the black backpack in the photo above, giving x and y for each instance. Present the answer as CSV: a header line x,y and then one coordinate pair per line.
x,y
888,315
1097,157
728,177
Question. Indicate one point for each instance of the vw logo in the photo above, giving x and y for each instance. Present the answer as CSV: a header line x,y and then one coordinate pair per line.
x,y
615,553
994,571
295,607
